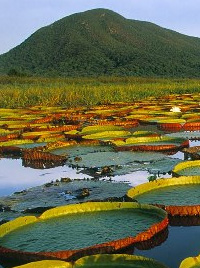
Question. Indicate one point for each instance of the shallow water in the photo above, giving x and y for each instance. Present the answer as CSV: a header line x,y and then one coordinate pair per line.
x,y
182,242
58,195
172,195
68,233
15,177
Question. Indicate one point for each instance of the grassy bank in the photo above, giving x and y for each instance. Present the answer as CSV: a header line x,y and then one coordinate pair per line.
x,y
69,92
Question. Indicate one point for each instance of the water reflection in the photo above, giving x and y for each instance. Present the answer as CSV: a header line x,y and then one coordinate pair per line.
x,y
134,178
17,177
14,177
182,242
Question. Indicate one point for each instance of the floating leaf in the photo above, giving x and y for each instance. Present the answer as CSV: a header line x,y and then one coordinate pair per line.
x,y
187,168
179,196
162,143
191,262
26,233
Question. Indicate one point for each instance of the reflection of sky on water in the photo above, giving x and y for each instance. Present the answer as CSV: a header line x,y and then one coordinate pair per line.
x,y
135,178
178,155
15,177
194,143
182,241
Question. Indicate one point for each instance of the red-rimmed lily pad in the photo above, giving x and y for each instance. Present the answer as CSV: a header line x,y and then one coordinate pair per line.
x,y
179,196
101,260
187,168
23,236
162,143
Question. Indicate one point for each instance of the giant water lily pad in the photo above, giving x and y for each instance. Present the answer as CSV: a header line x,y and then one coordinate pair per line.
x,y
98,129
108,135
161,143
57,194
179,196
47,264
187,168
191,262
101,260
79,150
163,165
172,121
106,261
15,142
104,132
101,159
122,163
192,135
102,224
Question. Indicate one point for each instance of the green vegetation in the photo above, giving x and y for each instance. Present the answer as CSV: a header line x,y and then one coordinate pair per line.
x,y
101,42
73,92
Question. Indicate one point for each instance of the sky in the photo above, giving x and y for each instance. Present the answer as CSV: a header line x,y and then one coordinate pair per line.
x,y
20,18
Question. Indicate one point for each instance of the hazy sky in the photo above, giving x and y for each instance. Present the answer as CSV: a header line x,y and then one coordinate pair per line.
x,y
20,18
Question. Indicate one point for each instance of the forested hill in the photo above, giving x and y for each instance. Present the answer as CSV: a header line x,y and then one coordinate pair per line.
x,y
102,42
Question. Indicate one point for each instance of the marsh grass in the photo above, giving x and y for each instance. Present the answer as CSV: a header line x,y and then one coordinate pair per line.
x,y
74,92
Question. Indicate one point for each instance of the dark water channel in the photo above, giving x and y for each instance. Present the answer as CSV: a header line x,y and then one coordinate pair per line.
x,y
181,243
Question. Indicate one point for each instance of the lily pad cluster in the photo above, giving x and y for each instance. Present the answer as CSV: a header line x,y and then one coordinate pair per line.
x,y
103,260
37,134
102,141
22,233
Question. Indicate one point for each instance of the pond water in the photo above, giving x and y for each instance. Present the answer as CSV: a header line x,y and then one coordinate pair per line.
x,y
182,241
15,177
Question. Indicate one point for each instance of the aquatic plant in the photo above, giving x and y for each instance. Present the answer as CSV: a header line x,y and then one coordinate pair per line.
x,y
18,225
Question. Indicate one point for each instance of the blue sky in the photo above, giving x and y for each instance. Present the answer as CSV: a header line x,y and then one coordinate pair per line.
x,y
20,18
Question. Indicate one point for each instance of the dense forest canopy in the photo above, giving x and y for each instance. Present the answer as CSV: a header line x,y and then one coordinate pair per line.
x,y
102,42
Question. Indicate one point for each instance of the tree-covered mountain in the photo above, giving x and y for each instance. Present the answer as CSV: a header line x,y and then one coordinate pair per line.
x,y
102,42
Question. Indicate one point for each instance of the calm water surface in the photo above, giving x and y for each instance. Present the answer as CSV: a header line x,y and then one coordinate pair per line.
x,y
182,242
15,177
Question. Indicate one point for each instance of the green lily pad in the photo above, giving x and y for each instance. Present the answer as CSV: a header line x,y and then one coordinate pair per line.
x,y
79,150
163,165
101,260
59,193
143,133
187,168
102,159
99,221
187,135
117,261
97,129
183,191
108,135
150,141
